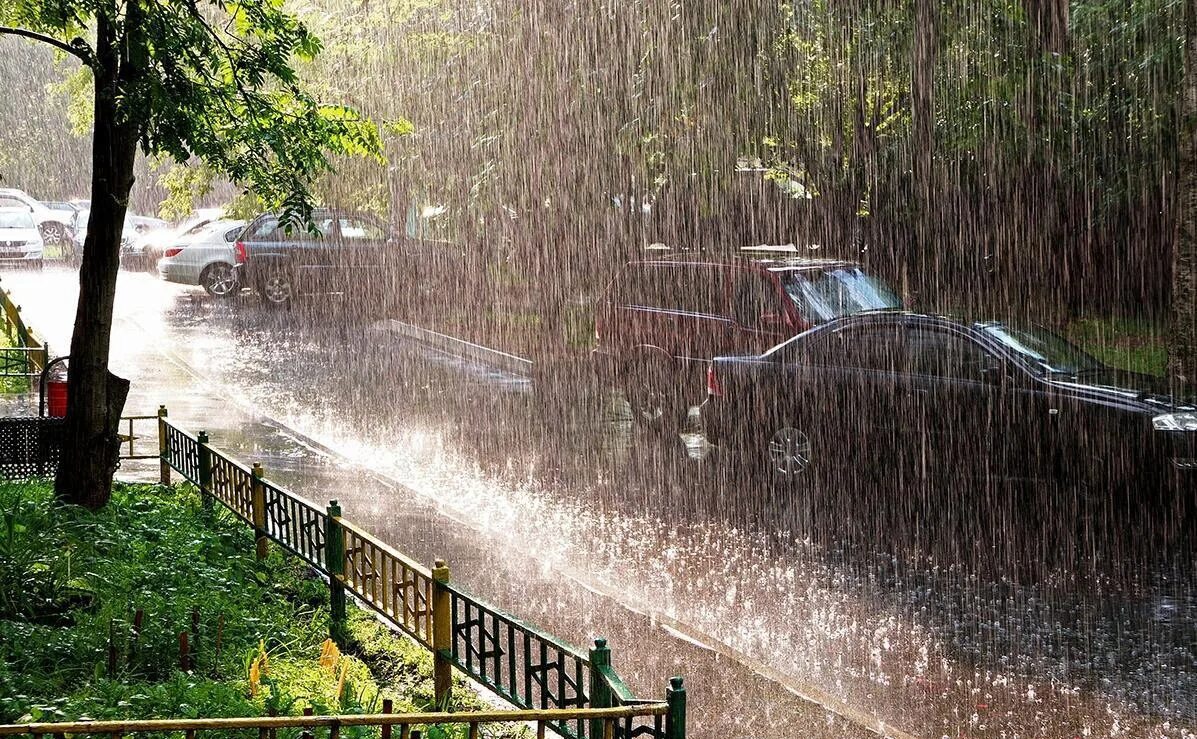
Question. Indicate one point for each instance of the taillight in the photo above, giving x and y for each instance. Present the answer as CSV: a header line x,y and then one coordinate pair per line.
x,y
239,252
713,386
173,251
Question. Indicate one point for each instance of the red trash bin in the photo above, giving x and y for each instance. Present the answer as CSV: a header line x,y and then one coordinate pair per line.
x,y
56,398
54,388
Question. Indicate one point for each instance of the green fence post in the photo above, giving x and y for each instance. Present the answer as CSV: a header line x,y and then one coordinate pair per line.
x,y
163,448
442,635
334,552
205,470
258,504
600,690
675,720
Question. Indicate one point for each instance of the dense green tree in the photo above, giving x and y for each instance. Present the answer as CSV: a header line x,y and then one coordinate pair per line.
x,y
211,81
1182,357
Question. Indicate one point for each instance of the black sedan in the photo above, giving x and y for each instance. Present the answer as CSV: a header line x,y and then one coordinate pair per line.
x,y
931,396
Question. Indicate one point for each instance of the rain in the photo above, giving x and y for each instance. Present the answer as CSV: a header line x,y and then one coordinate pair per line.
x,y
836,355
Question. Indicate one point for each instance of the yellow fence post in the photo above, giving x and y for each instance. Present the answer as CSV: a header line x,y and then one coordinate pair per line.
x,y
442,635
163,464
259,512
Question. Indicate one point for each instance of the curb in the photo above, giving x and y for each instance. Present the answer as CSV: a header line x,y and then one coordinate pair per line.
x,y
457,347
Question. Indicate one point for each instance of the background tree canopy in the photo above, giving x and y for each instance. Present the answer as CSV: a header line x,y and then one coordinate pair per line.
x,y
1047,128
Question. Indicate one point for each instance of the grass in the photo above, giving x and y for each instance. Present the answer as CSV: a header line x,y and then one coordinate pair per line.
x,y
72,583
1132,344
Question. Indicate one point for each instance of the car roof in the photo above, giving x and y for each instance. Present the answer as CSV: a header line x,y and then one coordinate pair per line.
x,y
772,261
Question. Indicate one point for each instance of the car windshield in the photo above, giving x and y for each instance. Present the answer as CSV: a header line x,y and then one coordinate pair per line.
x,y
1042,351
825,295
16,219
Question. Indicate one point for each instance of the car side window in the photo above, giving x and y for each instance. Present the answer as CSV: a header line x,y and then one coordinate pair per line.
x,y
754,295
353,227
231,234
936,353
268,228
876,348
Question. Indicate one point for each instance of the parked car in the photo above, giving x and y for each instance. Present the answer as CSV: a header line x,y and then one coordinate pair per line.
x,y
21,243
135,228
662,319
53,225
941,398
343,252
205,258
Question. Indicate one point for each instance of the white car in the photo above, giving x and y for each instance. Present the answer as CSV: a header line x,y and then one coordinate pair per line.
x,y
20,241
152,243
54,226
136,227
204,256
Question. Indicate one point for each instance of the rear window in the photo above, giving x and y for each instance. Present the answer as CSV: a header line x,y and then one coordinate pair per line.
x,y
688,288
823,295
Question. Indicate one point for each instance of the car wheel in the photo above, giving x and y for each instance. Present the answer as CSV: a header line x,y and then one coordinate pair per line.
x,y
53,233
652,392
218,280
789,452
277,288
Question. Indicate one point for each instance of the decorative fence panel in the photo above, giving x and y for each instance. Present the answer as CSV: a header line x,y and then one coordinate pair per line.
x,y
296,524
526,667
392,584
29,447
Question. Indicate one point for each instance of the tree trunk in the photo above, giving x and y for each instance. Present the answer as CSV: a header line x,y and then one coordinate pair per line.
x,y
91,447
1182,344
922,108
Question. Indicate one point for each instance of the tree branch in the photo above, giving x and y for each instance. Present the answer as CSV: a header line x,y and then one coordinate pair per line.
x,y
77,51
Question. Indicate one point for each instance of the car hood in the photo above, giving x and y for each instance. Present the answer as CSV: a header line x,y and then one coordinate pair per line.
x,y
1145,391
19,234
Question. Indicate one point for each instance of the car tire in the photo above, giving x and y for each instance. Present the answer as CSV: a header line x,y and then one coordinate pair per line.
x,y
219,280
277,288
652,392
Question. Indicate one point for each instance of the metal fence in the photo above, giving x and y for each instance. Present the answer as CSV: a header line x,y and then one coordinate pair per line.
x,y
30,446
26,356
610,722
525,666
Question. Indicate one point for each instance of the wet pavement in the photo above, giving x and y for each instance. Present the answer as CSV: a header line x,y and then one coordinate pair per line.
x,y
969,613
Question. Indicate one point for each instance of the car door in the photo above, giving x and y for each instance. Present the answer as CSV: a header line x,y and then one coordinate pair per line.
x,y
756,308
954,405
365,256
850,384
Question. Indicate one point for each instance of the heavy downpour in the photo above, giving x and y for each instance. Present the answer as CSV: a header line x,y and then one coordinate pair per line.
x,y
831,363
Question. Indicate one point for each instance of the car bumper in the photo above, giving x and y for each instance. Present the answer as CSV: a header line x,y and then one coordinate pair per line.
x,y
712,420
184,274
16,258
605,365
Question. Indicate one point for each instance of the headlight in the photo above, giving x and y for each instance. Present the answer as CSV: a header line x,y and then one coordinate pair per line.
x,y
1175,422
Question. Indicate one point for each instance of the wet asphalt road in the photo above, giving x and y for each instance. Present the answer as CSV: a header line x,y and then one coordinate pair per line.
x,y
971,613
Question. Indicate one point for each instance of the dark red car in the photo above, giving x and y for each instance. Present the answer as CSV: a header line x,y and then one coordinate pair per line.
x,y
662,320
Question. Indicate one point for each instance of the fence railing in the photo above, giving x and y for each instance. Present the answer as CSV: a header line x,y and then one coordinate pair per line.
x,y
611,722
27,356
527,667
